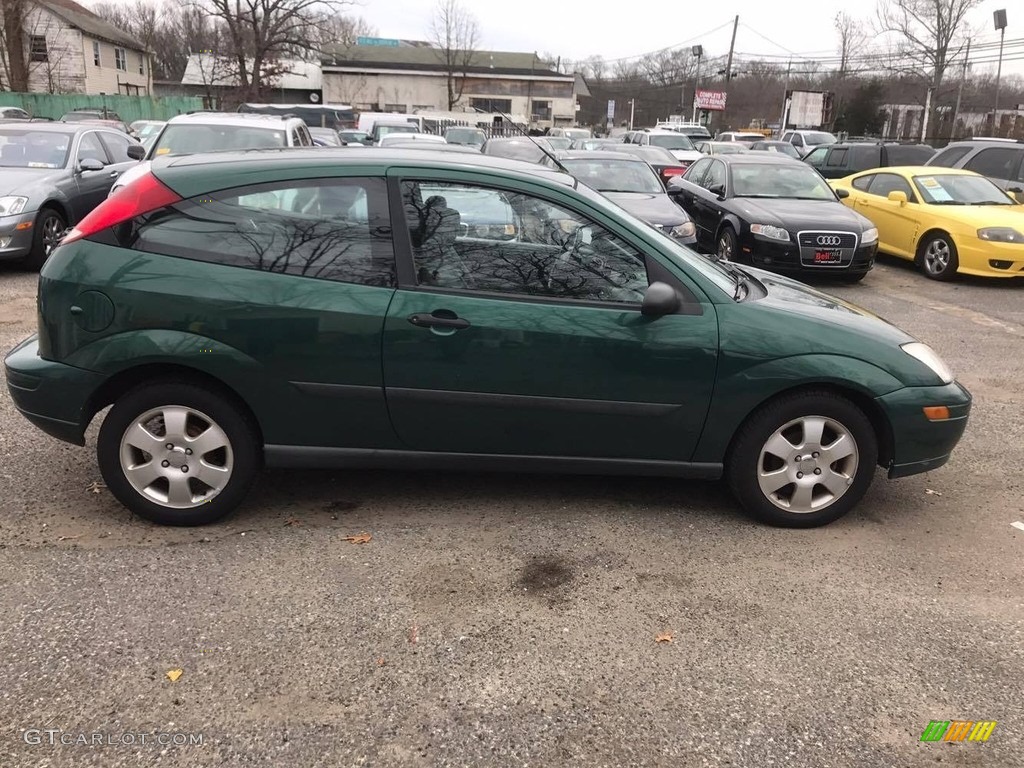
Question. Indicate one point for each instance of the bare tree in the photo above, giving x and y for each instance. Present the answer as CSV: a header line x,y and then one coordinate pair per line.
x,y
455,33
342,30
929,34
14,53
259,33
851,38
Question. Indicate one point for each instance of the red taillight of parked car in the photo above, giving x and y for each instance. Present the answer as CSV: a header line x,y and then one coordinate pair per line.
x,y
143,195
669,173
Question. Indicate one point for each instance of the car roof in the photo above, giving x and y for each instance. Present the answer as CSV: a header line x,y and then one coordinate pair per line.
x,y
595,154
59,127
921,170
989,141
760,158
382,157
238,119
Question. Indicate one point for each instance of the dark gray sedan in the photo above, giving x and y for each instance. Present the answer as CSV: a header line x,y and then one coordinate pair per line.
x,y
51,176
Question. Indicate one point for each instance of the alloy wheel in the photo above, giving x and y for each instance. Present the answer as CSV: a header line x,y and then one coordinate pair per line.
x,y
53,230
936,257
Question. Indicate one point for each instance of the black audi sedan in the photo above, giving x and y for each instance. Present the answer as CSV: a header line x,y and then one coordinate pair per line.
x,y
773,212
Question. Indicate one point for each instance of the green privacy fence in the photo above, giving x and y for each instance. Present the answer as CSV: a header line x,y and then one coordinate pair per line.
x,y
130,108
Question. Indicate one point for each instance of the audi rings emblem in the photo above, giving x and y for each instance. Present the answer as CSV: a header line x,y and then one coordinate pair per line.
x,y
829,240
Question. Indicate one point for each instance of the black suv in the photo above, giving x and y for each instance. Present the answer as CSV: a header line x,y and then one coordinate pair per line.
x,y
837,161
1002,160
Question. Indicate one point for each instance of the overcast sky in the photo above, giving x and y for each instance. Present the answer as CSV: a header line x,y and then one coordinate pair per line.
x,y
576,30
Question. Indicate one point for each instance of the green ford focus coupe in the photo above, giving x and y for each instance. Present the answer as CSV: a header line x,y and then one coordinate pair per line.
x,y
410,309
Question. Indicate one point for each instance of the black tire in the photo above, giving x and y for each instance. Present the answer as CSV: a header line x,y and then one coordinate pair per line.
x,y
745,459
243,455
47,230
727,245
931,261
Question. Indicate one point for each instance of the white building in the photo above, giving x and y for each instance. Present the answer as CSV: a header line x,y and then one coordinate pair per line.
x,y
413,78
69,49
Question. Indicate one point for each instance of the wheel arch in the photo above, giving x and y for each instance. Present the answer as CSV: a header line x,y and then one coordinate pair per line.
x,y
59,206
865,402
127,379
928,233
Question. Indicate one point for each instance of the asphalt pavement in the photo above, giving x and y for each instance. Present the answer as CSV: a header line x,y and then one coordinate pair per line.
x,y
514,620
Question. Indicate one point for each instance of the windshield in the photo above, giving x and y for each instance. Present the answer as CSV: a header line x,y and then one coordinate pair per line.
x,y
615,175
383,130
33,149
193,139
954,189
558,142
821,137
472,136
677,141
789,181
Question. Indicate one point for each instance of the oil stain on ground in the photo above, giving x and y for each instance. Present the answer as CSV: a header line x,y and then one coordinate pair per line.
x,y
544,575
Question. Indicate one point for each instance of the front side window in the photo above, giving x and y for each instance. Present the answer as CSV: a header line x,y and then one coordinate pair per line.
x,y
997,162
90,148
884,183
117,147
468,237
836,158
715,176
121,59
948,158
696,171
330,229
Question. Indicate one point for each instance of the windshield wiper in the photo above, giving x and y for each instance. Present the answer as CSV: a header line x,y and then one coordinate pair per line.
x,y
948,202
740,277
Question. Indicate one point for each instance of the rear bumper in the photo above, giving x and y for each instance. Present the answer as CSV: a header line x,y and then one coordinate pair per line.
x,y
53,396
919,444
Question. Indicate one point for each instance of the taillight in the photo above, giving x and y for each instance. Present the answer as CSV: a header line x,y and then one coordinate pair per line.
x,y
143,195
668,173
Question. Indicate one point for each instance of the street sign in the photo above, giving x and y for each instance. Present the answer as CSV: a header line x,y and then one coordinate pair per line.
x,y
711,100
380,41
611,109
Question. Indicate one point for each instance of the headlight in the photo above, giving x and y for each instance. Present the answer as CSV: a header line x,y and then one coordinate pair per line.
x,y
771,232
9,206
928,356
994,235
869,236
684,230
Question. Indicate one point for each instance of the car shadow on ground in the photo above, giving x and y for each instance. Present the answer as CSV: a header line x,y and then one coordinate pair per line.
x,y
908,268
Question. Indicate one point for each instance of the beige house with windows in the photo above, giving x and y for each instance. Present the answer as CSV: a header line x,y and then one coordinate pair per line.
x,y
72,50
411,78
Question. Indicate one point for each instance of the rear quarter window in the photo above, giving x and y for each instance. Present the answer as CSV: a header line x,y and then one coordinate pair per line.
x,y
948,158
909,155
866,158
330,229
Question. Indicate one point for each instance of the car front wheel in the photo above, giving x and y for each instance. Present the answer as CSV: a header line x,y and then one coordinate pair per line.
x,y
938,258
803,460
177,453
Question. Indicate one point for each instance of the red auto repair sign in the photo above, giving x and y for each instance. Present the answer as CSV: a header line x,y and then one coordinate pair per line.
x,y
713,100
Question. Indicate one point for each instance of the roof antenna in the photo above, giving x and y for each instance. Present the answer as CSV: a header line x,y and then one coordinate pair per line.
x,y
536,143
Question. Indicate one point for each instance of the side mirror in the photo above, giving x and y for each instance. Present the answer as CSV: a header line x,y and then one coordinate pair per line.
x,y
90,164
896,196
842,194
675,185
659,299
136,151
718,190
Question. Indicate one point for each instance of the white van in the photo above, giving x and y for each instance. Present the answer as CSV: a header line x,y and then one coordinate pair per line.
x,y
368,119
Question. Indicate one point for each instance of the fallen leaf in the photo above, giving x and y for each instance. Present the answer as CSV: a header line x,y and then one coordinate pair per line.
x,y
930,492
67,538
174,674
96,486
414,634
381,662
361,538
293,521
664,637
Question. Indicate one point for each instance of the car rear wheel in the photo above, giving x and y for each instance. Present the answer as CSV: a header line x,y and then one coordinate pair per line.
x,y
726,249
177,453
938,258
47,231
803,460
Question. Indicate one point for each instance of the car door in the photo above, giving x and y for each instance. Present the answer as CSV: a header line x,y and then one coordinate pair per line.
x,y
685,191
91,186
707,208
534,345
897,223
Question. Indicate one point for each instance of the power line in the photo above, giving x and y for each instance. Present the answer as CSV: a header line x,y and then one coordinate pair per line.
x,y
639,56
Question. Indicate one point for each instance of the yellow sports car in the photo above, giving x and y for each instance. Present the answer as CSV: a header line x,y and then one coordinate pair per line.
x,y
944,220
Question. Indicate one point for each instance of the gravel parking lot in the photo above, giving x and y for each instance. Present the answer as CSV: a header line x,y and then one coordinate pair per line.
x,y
511,620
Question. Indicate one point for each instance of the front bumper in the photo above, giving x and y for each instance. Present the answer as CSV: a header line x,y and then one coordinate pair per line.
x,y
16,235
988,259
53,396
785,257
919,444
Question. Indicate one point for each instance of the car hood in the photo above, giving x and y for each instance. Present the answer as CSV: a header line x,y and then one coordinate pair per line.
x,y
17,181
658,210
797,215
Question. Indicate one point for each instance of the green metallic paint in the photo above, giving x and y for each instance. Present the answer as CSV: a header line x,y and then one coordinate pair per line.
x,y
549,350
920,444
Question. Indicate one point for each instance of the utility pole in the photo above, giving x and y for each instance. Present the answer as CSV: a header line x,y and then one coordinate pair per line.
x,y
632,105
1000,24
960,90
785,100
924,117
728,66
698,51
